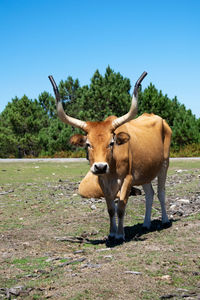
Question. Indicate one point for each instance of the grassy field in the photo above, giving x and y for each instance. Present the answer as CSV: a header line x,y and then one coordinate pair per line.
x,y
53,243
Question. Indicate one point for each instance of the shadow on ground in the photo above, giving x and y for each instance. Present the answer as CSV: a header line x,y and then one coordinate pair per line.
x,y
132,233
137,232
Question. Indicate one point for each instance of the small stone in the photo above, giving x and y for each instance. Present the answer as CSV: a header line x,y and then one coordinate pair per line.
x,y
93,207
184,201
173,207
133,272
99,201
84,234
182,290
109,257
78,251
103,249
196,273
92,200
16,290
167,278
179,213
50,259
88,265
26,245
94,232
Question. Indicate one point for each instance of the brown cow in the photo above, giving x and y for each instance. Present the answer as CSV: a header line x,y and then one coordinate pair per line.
x,y
123,153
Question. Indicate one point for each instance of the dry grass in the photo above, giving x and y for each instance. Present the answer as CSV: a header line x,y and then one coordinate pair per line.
x,y
53,244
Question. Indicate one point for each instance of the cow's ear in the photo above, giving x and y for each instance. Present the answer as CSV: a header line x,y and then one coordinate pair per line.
x,y
122,138
78,140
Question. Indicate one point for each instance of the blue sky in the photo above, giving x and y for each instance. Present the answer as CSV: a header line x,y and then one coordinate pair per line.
x,y
76,37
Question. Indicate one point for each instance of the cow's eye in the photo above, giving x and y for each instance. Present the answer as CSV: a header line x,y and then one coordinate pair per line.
x,y
111,144
88,145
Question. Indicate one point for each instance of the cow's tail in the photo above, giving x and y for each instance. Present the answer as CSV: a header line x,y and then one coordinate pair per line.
x,y
167,133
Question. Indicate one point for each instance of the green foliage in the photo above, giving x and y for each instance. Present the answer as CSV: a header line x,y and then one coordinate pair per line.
x,y
55,137
107,95
8,142
69,92
185,127
190,150
152,101
47,102
31,128
21,121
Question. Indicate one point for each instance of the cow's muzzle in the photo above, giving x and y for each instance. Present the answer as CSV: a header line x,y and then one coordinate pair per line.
x,y
100,168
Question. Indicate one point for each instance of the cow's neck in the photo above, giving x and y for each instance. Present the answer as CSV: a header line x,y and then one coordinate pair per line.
x,y
110,184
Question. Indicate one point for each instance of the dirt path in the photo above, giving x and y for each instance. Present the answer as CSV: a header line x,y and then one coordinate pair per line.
x,y
10,160
59,160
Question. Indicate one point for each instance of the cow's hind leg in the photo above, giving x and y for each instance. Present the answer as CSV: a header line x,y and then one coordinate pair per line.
x,y
149,194
161,190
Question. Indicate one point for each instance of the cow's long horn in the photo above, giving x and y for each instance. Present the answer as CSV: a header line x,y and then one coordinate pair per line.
x,y
62,115
133,109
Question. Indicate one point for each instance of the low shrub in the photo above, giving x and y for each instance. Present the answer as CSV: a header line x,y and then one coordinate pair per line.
x,y
191,150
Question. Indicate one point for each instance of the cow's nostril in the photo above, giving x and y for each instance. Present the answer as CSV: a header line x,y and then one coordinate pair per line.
x,y
104,168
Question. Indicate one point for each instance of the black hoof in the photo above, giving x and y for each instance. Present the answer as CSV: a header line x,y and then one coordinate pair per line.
x,y
167,224
111,238
119,241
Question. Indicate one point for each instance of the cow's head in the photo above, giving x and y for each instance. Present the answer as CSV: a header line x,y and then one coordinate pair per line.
x,y
100,138
100,141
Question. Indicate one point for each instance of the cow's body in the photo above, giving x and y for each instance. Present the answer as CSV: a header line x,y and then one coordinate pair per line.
x,y
142,156
137,162
123,153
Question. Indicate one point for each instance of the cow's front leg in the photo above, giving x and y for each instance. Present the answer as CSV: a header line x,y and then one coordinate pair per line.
x,y
111,211
124,194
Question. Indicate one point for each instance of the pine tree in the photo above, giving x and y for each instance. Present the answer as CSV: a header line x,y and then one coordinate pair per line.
x,y
23,119
106,95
